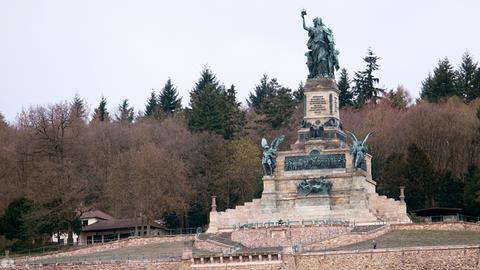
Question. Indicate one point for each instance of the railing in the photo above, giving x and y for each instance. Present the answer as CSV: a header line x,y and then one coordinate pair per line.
x,y
180,231
99,258
40,250
95,241
281,223
445,218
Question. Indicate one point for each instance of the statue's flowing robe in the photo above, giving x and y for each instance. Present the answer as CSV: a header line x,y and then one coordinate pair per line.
x,y
321,52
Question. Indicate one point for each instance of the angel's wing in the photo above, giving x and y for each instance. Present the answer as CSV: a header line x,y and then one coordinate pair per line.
x,y
366,138
264,143
354,138
277,141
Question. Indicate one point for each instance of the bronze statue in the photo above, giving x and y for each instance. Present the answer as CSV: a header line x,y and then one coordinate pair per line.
x,y
358,149
314,186
269,158
322,58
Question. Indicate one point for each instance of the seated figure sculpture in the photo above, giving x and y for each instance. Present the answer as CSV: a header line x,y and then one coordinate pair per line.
x,y
314,186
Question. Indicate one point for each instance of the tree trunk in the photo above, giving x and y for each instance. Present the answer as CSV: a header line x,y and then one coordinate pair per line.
x,y
136,226
70,233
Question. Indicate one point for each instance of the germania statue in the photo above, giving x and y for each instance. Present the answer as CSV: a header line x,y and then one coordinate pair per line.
x,y
322,58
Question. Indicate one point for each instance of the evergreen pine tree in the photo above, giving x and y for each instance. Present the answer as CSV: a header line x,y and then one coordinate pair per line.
x,y
168,98
213,109
125,113
13,221
392,175
449,191
152,105
279,107
262,91
468,79
420,179
365,81
441,84
3,123
78,108
300,93
273,100
346,96
101,114
471,192
235,116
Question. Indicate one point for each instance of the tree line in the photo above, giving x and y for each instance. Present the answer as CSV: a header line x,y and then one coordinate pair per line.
x,y
56,162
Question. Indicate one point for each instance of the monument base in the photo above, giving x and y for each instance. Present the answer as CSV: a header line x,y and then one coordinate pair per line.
x,y
316,180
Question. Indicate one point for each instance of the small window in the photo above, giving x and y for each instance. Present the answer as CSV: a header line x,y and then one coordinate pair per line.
x,y
84,222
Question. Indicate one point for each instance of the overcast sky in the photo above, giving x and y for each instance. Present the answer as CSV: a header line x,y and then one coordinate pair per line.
x,y
49,50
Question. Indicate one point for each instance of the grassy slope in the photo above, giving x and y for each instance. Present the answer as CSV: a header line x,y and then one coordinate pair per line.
x,y
412,238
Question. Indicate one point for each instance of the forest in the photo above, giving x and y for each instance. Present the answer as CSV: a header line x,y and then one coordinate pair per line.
x,y
59,160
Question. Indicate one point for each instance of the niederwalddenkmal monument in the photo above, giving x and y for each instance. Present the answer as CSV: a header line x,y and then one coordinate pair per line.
x,y
325,177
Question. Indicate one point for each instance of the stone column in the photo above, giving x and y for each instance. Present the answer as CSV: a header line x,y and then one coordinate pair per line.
x,y
368,161
213,219
348,162
402,194
214,204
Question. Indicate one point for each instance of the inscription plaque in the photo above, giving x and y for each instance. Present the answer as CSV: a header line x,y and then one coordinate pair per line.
x,y
317,104
315,162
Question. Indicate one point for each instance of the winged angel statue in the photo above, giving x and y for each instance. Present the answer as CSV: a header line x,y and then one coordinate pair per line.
x,y
269,158
358,149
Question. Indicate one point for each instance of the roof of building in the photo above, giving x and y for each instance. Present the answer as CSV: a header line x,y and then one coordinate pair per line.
x,y
115,224
97,214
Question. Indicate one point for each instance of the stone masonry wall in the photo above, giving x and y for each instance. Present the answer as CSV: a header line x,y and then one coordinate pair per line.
x,y
287,236
212,246
180,265
438,258
347,239
351,238
439,226
117,244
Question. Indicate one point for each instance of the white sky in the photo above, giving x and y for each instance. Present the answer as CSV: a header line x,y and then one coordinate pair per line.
x,y
49,50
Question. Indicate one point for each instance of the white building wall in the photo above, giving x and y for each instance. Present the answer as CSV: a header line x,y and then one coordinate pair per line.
x,y
64,236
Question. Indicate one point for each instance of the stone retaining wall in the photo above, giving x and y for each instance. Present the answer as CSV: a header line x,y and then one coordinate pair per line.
x,y
114,266
114,245
438,258
439,226
347,239
287,236
213,246
352,238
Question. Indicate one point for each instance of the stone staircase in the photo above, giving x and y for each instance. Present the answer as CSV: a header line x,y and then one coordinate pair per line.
x,y
256,212
388,209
